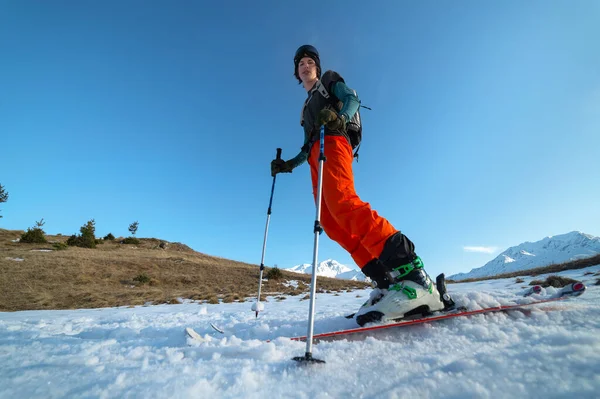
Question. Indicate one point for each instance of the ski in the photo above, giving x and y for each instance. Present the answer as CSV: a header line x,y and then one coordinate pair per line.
x,y
571,290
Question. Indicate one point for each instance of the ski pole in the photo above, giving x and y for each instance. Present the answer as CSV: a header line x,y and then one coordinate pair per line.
x,y
257,306
313,284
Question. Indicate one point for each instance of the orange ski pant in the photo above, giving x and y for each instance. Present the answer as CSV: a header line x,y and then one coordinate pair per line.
x,y
347,219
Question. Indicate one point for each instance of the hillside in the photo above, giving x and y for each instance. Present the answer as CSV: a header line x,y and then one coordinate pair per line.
x,y
552,250
34,276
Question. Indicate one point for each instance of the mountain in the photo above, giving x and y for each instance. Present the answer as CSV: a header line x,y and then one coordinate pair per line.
x,y
529,255
330,268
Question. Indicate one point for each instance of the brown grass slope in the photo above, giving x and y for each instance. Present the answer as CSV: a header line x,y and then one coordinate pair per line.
x,y
115,274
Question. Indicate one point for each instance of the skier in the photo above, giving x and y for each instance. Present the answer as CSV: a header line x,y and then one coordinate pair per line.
x,y
383,253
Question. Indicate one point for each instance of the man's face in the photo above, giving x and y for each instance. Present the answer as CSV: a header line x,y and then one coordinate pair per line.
x,y
307,69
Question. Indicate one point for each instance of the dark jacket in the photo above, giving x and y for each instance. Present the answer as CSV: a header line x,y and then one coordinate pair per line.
x,y
347,105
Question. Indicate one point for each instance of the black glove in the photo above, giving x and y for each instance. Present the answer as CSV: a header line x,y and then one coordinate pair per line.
x,y
280,166
332,120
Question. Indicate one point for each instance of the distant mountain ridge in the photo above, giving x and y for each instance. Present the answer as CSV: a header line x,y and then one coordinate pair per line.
x,y
528,255
330,268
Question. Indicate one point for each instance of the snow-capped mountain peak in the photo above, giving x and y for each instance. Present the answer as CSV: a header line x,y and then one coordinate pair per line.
x,y
330,268
528,255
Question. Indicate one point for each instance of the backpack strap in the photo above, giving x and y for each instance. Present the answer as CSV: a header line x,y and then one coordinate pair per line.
x,y
321,89
318,87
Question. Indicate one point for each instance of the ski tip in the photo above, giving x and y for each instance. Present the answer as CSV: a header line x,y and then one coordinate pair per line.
x,y
578,288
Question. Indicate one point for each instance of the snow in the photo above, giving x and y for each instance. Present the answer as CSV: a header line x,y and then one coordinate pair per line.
x,y
291,283
508,259
142,352
550,250
331,268
326,268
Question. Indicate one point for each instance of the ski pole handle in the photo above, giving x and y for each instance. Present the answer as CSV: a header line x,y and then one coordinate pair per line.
x,y
278,154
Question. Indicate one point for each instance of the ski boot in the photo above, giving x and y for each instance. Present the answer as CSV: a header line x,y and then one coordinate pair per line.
x,y
410,292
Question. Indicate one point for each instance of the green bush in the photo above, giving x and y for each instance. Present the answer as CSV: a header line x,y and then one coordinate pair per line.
x,y
60,246
86,239
274,274
130,240
34,234
109,237
142,278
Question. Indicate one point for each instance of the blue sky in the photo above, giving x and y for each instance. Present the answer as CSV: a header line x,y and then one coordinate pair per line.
x,y
483,133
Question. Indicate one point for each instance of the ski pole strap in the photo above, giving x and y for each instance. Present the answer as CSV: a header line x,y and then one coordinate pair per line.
x,y
403,270
318,227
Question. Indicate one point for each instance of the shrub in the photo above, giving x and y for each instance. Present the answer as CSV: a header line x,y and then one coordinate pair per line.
x,y
86,239
109,237
142,278
3,195
130,240
274,274
554,281
60,246
34,234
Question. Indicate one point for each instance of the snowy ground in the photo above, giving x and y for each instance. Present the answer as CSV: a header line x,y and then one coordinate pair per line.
x,y
143,353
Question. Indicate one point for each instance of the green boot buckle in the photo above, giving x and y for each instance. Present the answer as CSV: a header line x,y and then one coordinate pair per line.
x,y
410,292
403,271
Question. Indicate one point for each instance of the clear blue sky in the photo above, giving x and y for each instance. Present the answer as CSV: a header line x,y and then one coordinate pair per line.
x,y
485,128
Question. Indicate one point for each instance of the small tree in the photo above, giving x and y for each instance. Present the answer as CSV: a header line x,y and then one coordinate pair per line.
x,y
87,238
34,234
3,195
274,273
133,227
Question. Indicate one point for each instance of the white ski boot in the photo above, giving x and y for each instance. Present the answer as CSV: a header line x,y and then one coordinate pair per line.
x,y
410,292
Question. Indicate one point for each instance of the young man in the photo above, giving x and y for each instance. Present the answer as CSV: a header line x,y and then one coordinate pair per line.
x,y
382,252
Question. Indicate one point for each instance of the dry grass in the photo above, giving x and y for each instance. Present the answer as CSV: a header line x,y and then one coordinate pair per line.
x,y
553,281
115,274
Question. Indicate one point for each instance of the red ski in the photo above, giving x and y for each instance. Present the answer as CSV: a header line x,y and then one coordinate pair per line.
x,y
574,289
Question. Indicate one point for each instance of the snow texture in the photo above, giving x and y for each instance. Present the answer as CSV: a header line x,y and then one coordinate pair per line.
x,y
550,351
